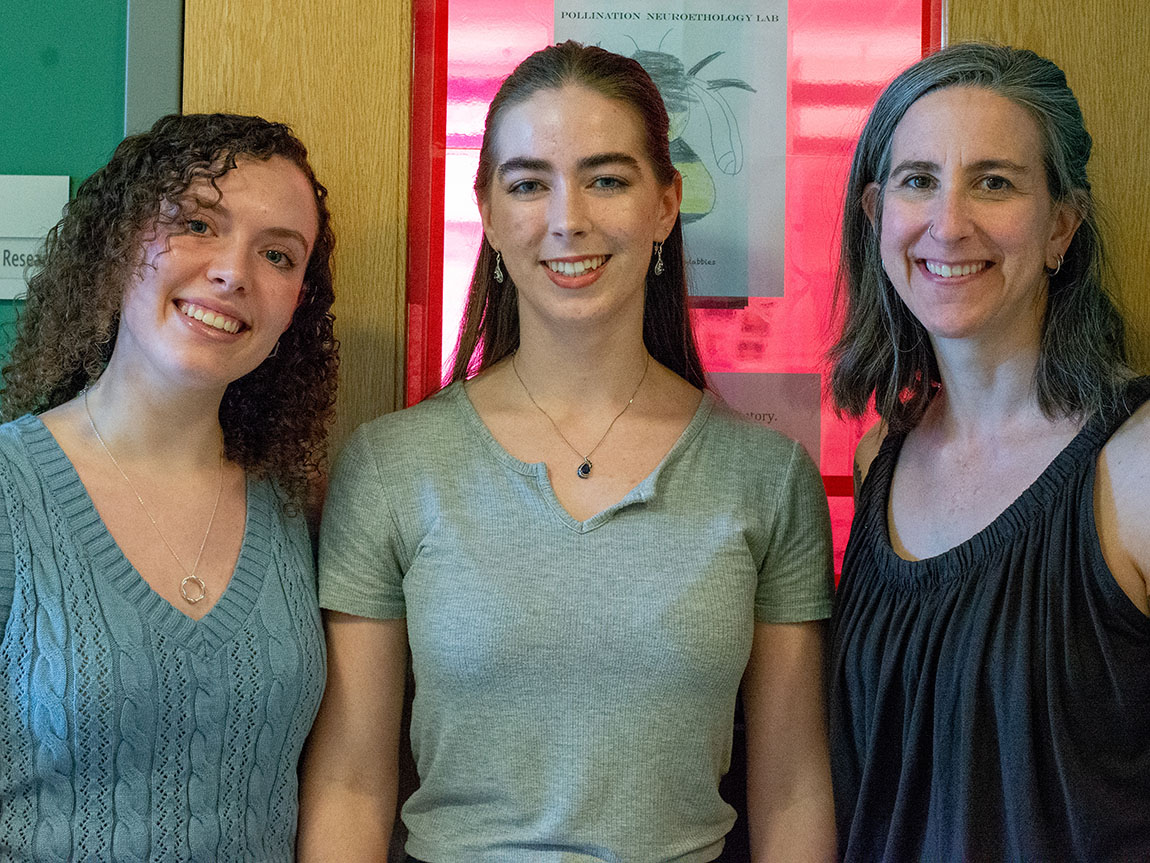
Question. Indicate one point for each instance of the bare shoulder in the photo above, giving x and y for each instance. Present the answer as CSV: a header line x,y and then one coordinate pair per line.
x,y
1122,505
865,452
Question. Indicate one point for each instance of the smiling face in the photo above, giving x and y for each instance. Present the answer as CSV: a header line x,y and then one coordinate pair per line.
x,y
218,287
967,219
574,207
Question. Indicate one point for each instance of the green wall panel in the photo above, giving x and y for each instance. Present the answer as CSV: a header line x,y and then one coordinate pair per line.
x,y
61,92
61,85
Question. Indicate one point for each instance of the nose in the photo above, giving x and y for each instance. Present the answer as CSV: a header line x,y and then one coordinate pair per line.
x,y
568,214
950,216
228,266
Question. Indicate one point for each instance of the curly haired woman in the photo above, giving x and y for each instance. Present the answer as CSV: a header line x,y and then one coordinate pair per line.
x,y
168,396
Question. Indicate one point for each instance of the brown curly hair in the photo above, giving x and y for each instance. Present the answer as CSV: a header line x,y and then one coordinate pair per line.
x,y
275,418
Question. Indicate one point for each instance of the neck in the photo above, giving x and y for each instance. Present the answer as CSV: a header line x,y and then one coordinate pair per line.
x,y
983,396
589,378
178,429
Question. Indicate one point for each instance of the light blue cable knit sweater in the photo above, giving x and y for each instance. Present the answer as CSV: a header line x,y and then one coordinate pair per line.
x,y
129,731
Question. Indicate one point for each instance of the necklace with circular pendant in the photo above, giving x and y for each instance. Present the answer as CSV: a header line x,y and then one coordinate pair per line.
x,y
584,469
192,587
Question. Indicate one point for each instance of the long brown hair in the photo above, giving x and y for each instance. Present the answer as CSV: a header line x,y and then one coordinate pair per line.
x,y
491,319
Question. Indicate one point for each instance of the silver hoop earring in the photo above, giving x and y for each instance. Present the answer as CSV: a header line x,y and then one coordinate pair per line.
x,y
658,259
498,274
1058,269
275,350
930,232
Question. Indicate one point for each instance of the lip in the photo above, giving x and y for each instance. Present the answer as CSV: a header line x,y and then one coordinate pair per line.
x,y
572,281
952,271
208,315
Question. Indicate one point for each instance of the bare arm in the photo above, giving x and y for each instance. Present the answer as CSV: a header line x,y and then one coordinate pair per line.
x,y
350,765
1122,507
791,812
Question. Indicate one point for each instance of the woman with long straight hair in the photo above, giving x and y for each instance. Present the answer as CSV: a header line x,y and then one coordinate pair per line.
x,y
585,552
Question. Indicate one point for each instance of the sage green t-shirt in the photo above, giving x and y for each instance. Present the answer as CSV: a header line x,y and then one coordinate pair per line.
x,y
575,681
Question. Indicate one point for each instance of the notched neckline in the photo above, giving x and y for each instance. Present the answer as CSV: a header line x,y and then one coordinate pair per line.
x,y
642,492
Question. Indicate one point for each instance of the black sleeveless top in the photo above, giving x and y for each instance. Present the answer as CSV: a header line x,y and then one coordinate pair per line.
x,y
993,702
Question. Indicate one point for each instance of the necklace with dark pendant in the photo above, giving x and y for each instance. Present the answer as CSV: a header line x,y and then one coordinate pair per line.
x,y
584,469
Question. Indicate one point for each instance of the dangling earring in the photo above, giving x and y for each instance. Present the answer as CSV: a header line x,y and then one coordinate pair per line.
x,y
658,259
498,270
1058,269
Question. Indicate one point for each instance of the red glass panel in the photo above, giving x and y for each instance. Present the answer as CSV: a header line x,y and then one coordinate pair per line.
x,y
840,53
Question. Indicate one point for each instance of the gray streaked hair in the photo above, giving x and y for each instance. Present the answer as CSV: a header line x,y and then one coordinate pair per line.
x,y
882,348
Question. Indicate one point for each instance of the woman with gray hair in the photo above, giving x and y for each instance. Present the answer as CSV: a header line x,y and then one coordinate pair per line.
x,y
989,695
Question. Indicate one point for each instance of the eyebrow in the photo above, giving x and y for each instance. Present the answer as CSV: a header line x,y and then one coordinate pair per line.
x,y
525,163
983,165
288,234
281,233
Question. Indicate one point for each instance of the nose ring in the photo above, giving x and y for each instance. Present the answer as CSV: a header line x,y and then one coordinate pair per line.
x,y
930,232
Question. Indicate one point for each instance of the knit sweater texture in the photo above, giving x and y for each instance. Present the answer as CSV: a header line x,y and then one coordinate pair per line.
x,y
130,731
575,681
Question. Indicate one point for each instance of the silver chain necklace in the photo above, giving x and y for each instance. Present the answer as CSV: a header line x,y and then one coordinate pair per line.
x,y
584,469
200,590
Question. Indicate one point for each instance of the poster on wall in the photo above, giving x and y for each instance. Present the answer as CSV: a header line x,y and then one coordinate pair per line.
x,y
29,207
788,403
722,75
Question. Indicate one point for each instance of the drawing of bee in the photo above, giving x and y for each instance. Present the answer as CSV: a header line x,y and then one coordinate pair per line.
x,y
682,89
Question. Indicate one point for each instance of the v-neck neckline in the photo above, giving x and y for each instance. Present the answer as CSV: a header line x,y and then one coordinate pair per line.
x,y
111,566
642,492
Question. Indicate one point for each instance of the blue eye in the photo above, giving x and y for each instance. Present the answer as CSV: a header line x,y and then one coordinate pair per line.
x,y
278,258
197,226
919,181
525,187
609,183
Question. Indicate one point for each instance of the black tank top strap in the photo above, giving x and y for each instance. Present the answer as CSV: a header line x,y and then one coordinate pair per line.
x,y
875,491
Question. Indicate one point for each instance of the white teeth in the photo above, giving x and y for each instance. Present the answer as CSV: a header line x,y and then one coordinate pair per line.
x,y
212,319
947,271
576,268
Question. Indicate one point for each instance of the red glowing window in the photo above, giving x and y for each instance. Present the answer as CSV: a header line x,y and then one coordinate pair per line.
x,y
839,55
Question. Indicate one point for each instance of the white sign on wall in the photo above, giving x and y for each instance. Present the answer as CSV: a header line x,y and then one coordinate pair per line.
x,y
722,70
29,207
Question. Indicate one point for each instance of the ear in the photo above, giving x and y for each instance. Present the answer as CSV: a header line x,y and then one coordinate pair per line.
x,y
488,228
669,203
869,202
1063,227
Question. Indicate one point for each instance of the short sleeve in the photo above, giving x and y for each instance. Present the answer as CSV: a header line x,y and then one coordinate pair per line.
x,y
360,556
796,580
